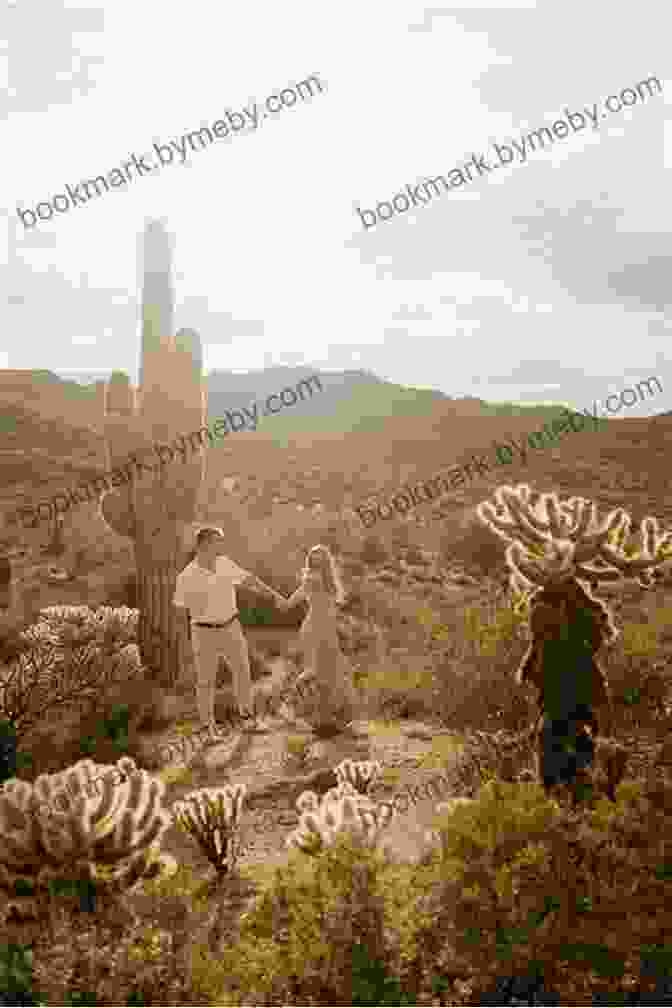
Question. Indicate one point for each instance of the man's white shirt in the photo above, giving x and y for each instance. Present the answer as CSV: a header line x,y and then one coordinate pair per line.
x,y
209,596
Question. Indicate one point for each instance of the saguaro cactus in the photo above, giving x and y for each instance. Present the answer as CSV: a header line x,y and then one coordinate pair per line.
x,y
158,434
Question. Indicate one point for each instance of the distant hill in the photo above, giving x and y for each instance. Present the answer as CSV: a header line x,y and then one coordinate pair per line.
x,y
359,436
349,401
50,396
50,431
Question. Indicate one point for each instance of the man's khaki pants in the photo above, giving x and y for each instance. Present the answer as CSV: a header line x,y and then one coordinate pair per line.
x,y
209,644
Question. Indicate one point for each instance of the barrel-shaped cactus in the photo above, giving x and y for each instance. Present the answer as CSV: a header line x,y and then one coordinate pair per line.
x,y
155,438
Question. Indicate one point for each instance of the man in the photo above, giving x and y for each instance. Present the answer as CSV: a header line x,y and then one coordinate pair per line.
x,y
205,594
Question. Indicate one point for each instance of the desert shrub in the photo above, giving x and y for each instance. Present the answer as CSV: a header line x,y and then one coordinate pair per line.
x,y
639,639
256,615
641,688
8,751
526,887
487,756
298,747
393,692
472,545
112,727
387,611
298,942
481,647
16,975
104,729
373,550
124,593
258,612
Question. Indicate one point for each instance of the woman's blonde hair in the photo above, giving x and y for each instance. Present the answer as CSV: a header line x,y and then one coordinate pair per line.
x,y
331,578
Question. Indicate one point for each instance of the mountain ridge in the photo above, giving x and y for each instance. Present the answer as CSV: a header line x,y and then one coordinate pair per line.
x,y
359,436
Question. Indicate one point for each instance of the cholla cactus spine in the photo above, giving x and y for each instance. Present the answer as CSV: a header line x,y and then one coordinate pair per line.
x,y
362,774
212,816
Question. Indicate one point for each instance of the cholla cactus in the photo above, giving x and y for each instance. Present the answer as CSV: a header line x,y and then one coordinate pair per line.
x,y
341,812
212,816
92,821
557,551
362,774
341,790
68,651
553,541
308,802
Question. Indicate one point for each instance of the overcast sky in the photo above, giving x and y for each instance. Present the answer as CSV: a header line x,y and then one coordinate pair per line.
x,y
542,281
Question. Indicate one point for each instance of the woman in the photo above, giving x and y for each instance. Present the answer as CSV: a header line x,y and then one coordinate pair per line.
x,y
324,662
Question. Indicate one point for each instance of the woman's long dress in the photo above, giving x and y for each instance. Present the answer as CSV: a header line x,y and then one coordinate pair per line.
x,y
324,662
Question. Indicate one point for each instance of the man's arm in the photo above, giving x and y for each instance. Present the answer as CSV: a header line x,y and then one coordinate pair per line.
x,y
255,583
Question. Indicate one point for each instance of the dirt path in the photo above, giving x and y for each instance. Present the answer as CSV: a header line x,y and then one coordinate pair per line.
x,y
274,782
273,787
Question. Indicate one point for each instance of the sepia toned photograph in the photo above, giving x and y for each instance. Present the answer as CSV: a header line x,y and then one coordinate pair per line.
x,y
335,504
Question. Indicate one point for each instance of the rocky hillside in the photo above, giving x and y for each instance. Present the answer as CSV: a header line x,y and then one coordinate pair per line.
x,y
253,478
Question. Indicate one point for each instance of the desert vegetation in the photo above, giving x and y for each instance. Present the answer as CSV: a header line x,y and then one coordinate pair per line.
x,y
164,906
